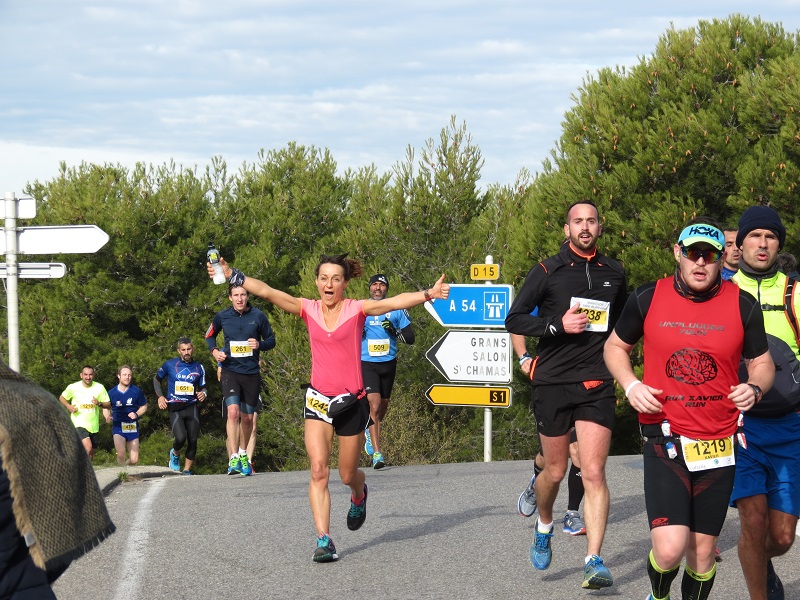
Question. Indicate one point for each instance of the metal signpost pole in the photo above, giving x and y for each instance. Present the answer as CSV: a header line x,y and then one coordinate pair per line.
x,y
487,412
12,280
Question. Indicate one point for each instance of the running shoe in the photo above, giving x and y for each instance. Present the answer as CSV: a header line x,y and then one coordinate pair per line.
x,y
774,585
368,443
235,465
541,552
188,472
377,461
573,524
526,505
244,463
596,575
325,551
358,512
174,461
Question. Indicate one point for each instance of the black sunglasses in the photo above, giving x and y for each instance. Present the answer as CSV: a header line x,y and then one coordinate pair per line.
x,y
695,254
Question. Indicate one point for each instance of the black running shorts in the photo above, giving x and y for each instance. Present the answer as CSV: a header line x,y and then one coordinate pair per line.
x,y
676,496
557,407
241,389
379,377
84,434
351,422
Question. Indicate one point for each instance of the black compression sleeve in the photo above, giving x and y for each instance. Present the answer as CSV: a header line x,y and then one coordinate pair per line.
x,y
755,339
630,327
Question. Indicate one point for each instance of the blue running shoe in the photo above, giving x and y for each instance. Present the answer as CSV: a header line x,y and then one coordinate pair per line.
x,y
368,443
358,512
774,585
526,505
325,551
541,552
596,575
174,461
234,465
244,465
377,461
188,472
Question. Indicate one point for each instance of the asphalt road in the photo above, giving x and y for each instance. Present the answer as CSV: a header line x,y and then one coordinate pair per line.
x,y
442,531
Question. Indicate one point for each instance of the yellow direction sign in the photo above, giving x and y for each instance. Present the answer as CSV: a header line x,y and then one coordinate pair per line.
x,y
481,272
468,395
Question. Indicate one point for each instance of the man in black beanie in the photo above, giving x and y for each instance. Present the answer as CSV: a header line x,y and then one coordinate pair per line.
x,y
761,217
767,483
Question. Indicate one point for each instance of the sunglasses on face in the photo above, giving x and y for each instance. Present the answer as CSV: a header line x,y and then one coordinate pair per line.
x,y
695,254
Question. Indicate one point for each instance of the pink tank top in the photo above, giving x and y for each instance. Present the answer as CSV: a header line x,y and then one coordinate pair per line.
x,y
335,354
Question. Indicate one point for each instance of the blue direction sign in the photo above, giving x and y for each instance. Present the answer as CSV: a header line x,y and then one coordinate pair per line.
x,y
473,305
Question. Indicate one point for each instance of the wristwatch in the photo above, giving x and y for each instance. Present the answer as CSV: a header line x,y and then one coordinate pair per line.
x,y
757,391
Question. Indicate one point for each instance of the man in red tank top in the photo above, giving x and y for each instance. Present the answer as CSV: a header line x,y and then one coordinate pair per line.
x,y
695,326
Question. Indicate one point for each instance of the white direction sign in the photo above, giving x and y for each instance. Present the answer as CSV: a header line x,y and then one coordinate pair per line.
x,y
36,270
58,239
473,356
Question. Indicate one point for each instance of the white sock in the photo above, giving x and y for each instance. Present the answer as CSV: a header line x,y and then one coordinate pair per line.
x,y
543,527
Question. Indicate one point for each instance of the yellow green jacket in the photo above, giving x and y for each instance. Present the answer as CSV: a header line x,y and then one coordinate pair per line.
x,y
771,293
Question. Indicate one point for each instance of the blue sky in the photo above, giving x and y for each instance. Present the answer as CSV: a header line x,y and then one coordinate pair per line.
x,y
122,81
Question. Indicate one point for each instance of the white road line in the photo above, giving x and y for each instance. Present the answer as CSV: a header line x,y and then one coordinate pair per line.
x,y
131,563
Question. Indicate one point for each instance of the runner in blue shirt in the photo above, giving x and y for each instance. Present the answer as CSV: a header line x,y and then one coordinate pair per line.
x,y
379,362
128,404
186,385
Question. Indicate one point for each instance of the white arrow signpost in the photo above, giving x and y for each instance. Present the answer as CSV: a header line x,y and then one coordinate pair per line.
x,y
473,356
59,239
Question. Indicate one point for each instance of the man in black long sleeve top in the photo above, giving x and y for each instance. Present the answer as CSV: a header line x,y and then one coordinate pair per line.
x,y
246,332
579,294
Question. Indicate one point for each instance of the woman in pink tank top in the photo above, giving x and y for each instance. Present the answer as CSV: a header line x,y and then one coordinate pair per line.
x,y
335,326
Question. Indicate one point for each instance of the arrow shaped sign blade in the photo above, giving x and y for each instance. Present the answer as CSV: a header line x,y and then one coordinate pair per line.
x,y
473,305
466,395
58,239
473,356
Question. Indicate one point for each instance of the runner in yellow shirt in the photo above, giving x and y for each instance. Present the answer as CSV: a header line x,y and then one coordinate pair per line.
x,y
84,399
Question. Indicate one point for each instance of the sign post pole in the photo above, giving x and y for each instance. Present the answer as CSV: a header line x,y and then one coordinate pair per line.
x,y
487,412
12,280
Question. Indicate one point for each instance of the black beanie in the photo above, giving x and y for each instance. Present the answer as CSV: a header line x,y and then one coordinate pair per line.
x,y
379,277
760,217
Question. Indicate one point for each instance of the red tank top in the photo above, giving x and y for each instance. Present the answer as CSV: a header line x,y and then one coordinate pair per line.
x,y
692,352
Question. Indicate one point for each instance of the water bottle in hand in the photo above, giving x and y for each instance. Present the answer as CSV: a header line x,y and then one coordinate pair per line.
x,y
213,258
